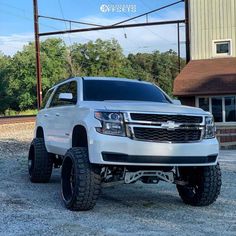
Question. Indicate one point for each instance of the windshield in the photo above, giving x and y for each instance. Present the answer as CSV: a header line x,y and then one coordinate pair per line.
x,y
101,90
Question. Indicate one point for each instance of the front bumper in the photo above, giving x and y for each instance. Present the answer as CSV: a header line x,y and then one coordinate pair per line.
x,y
113,150
119,157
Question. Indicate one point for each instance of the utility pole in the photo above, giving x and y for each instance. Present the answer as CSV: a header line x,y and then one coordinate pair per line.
x,y
187,31
37,54
178,37
96,27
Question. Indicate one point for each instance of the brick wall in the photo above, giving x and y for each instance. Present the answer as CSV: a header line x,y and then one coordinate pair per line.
x,y
226,135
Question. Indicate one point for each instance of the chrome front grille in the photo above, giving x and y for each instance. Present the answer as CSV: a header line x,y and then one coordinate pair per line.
x,y
164,127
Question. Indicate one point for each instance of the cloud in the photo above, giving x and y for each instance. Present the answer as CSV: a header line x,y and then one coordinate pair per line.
x,y
10,44
132,40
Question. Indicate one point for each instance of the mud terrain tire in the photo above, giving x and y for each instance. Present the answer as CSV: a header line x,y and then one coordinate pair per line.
x,y
40,162
80,180
204,185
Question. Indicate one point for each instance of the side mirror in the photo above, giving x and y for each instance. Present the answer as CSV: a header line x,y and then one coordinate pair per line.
x,y
176,102
65,96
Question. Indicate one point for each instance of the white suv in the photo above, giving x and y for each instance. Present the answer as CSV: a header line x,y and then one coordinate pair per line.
x,y
104,130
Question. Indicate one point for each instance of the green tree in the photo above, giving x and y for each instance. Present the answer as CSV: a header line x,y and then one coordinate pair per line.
x,y
161,68
22,75
141,64
99,58
4,68
95,58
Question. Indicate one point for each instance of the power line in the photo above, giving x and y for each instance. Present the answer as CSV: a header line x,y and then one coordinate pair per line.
x,y
133,18
70,42
79,22
74,21
114,26
144,14
29,19
26,18
11,6
69,21
147,13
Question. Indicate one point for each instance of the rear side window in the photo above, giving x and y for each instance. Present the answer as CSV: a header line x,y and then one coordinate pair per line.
x,y
73,89
70,87
46,97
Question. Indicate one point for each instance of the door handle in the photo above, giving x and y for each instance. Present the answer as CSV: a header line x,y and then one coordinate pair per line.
x,y
57,114
45,115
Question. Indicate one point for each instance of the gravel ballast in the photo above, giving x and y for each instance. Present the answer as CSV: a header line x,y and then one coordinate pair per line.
x,y
136,209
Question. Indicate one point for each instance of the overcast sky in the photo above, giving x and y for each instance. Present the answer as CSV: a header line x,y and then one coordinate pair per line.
x,y
16,23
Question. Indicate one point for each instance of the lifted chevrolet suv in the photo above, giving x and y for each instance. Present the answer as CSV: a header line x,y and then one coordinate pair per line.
x,y
102,131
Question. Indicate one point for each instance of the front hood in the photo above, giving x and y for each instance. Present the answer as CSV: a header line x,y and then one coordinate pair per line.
x,y
136,106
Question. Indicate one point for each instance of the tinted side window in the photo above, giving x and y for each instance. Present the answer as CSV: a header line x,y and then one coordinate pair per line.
x,y
65,88
46,97
55,99
73,89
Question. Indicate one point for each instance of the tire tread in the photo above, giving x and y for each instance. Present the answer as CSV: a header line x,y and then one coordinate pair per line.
x,y
209,187
89,182
43,162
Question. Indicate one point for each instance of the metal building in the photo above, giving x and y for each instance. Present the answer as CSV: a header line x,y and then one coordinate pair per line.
x,y
213,22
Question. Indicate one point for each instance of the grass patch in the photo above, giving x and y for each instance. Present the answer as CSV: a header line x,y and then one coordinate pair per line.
x,y
20,113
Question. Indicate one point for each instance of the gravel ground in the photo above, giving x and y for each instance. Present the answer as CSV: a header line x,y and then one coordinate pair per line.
x,y
137,209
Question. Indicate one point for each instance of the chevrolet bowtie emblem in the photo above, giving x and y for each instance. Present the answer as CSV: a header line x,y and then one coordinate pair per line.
x,y
170,125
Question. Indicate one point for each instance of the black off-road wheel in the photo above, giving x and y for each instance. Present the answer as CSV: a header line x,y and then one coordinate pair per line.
x,y
80,180
204,184
40,162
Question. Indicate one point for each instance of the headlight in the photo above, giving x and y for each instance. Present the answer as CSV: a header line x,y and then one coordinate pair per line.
x,y
112,123
210,129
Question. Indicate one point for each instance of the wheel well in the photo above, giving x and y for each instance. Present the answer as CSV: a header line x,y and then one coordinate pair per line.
x,y
39,132
79,137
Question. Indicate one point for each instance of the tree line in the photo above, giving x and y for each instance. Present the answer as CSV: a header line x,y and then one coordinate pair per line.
x,y
95,58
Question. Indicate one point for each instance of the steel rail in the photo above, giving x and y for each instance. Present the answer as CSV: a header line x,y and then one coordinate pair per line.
x,y
17,119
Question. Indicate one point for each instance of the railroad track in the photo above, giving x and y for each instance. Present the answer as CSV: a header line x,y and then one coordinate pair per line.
x,y
17,119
